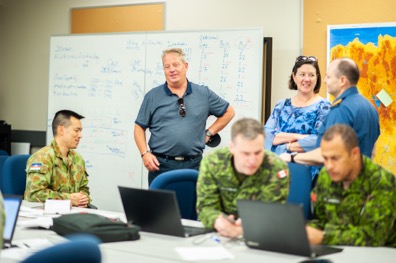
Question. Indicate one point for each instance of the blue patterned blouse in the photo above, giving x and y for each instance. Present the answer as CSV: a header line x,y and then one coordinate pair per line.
x,y
303,120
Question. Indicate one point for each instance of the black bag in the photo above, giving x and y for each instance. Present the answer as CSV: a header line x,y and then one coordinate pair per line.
x,y
106,229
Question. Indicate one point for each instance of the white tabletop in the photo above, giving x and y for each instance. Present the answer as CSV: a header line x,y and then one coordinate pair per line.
x,y
160,248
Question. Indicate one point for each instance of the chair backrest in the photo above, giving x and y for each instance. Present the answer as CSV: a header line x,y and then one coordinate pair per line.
x,y
183,182
3,158
2,152
84,249
14,174
300,186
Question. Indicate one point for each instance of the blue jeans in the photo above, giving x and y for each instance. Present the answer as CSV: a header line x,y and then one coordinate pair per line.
x,y
168,165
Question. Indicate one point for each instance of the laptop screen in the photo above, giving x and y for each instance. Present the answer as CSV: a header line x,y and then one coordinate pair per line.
x,y
11,206
153,211
277,227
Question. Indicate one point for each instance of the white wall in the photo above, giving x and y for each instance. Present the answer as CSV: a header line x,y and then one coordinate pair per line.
x,y
26,26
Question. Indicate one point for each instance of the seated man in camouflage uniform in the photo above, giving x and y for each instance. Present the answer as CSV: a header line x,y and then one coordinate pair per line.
x,y
57,171
354,199
243,171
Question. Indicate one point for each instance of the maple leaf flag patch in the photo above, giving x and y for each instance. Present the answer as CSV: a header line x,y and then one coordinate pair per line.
x,y
313,197
282,174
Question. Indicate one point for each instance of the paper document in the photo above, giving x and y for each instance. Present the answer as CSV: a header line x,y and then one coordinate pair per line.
x,y
384,97
57,206
25,248
30,212
203,253
43,222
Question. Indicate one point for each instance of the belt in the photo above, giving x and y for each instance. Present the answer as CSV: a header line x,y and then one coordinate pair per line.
x,y
177,158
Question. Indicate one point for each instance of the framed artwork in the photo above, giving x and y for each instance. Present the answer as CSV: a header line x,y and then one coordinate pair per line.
x,y
373,47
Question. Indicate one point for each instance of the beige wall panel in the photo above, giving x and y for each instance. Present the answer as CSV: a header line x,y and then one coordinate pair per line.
x,y
145,17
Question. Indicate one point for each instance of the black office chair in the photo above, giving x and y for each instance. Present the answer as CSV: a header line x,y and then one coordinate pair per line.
x,y
183,182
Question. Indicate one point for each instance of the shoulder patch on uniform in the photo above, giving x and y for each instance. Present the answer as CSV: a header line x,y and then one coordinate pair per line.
x,y
282,174
35,167
313,197
335,103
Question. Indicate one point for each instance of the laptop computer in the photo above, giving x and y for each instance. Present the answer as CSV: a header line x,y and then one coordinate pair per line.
x,y
279,228
12,204
156,211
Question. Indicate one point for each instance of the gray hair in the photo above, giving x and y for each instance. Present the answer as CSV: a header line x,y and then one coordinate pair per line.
x,y
177,51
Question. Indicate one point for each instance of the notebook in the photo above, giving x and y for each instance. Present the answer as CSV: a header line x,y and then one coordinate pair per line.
x,y
12,204
156,211
279,228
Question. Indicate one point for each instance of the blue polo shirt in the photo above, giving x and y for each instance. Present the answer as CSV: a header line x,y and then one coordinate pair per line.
x,y
172,134
353,109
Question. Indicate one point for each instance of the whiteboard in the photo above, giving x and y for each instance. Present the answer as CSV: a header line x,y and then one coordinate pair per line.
x,y
104,78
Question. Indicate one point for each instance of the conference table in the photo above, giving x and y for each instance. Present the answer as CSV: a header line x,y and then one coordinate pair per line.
x,y
161,248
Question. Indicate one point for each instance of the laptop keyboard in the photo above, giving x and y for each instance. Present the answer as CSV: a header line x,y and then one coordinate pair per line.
x,y
9,246
321,250
193,231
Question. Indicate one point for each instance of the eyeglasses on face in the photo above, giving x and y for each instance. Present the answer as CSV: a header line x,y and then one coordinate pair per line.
x,y
305,58
182,107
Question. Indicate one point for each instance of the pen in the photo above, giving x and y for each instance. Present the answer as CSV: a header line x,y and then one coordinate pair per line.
x,y
215,239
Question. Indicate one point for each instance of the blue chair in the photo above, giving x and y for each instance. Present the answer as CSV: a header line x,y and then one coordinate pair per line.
x,y
300,187
3,158
183,182
14,174
81,249
2,152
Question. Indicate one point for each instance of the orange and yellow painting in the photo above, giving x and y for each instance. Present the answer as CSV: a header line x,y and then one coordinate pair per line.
x,y
374,50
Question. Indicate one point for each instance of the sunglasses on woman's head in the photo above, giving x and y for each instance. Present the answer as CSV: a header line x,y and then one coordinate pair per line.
x,y
305,58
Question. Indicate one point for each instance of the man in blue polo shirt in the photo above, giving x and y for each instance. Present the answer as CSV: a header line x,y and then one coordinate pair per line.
x,y
349,108
176,114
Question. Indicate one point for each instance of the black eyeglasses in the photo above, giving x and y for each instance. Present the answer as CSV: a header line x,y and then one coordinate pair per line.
x,y
182,107
305,58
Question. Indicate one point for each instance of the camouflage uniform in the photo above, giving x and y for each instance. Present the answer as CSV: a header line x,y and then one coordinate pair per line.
x,y
2,220
362,215
50,176
218,187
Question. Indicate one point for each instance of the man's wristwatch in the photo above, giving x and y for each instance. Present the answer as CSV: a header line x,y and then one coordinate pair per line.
x,y
208,133
292,155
